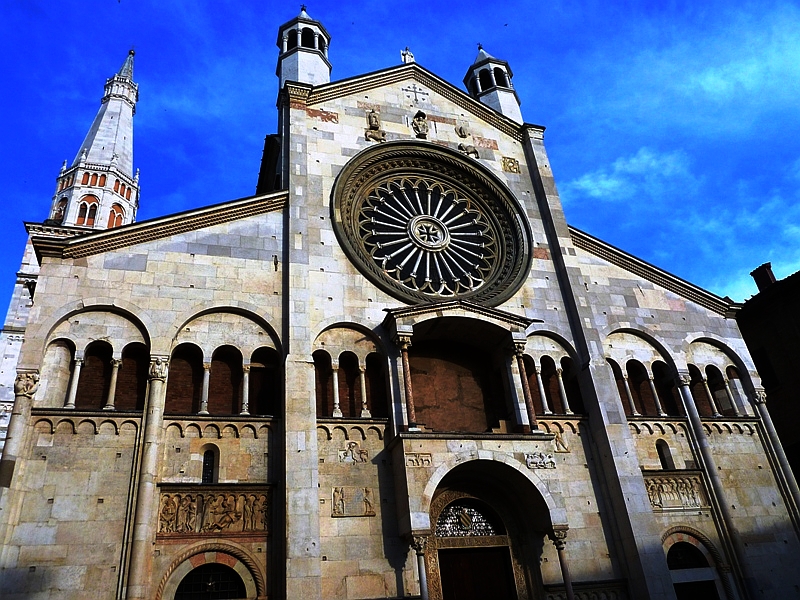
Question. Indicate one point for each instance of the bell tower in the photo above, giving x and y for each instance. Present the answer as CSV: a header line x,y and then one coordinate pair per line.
x,y
99,189
303,57
489,81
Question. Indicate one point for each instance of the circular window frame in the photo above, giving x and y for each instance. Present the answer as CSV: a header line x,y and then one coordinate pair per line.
x,y
449,169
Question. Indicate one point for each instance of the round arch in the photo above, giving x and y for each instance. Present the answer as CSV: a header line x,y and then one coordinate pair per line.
x,y
420,521
212,552
659,346
722,345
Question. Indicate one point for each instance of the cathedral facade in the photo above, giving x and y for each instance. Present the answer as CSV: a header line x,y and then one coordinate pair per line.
x,y
394,371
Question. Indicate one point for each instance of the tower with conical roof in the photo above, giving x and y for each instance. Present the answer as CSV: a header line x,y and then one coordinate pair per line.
x,y
99,189
489,81
304,51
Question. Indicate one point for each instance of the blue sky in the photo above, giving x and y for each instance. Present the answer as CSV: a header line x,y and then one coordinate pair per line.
x,y
673,128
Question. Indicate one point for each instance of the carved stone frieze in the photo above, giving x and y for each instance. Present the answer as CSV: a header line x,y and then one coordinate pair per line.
x,y
209,512
418,459
539,460
349,501
676,491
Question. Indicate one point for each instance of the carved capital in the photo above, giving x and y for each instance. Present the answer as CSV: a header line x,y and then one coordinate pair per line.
x,y
403,341
759,396
26,383
519,348
418,543
684,378
158,369
245,368
558,537
116,363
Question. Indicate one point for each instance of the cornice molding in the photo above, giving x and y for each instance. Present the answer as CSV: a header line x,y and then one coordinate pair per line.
x,y
49,241
651,273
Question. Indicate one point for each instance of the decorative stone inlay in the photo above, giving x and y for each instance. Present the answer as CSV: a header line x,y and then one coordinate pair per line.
x,y
421,459
540,460
201,511
353,454
510,165
427,224
351,501
676,490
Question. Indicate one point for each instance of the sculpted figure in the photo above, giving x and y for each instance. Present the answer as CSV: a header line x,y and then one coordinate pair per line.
x,y
338,501
260,513
26,384
374,132
407,56
186,514
369,508
158,369
469,150
249,501
420,125
167,515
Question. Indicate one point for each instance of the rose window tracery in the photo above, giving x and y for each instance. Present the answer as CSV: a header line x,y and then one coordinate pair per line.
x,y
424,224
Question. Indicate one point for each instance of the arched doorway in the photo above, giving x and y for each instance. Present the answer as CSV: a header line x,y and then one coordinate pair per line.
x,y
692,577
212,581
488,527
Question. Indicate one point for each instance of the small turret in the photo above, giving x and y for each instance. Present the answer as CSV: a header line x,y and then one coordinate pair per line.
x,y
99,189
304,51
489,81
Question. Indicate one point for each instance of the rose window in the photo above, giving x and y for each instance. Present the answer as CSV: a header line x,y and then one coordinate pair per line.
x,y
426,224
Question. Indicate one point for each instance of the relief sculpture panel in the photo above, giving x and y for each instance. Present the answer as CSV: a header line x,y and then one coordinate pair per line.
x,y
207,512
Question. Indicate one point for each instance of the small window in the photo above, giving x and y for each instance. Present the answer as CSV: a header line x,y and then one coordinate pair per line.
x,y
85,179
102,181
116,185
209,467
291,41
486,79
500,77
82,213
94,179
92,215
307,38
665,455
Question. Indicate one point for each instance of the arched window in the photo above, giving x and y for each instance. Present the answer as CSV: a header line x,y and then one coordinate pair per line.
x,y
95,376
322,47
122,190
92,215
349,385
184,381
735,383
698,388
85,179
60,210
486,79
128,194
116,216
716,384
210,465
639,382
116,185
132,377
291,41
620,381
225,384
666,389
572,385
265,382
323,374
307,38
211,581
500,77
664,455
82,213
93,179
376,387
550,383
102,182
473,86
57,368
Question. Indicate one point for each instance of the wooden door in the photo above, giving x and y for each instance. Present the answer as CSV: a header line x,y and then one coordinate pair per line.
x,y
477,574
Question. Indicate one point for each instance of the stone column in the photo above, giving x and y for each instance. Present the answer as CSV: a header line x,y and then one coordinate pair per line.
x,y
731,399
634,412
337,410
112,387
760,400
73,385
405,343
25,386
558,537
245,390
145,514
419,542
526,388
204,393
491,75
316,40
711,398
653,391
538,370
285,44
563,392
710,467
362,379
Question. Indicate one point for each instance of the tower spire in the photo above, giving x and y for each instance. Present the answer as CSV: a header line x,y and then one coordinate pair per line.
x,y
99,189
